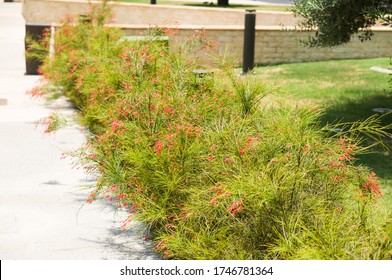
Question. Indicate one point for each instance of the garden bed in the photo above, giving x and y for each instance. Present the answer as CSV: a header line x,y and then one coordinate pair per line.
x,y
213,172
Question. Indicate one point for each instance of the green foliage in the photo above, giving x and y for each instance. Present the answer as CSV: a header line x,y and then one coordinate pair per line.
x,y
248,92
214,174
38,46
336,21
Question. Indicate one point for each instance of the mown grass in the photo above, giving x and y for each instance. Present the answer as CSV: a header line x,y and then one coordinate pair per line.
x,y
328,81
213,4
347,90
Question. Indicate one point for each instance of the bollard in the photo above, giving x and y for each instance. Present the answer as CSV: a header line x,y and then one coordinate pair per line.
x,y
36,31
153,2
249,41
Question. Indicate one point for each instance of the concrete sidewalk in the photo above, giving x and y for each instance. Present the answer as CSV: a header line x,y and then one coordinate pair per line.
x,y
43,214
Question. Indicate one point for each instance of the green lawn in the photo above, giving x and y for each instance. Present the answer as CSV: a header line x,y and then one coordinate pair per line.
x,y
347,90
213,4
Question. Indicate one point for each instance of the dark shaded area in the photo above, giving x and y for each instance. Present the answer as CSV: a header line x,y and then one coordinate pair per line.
x,y
34,32
359,108
351,110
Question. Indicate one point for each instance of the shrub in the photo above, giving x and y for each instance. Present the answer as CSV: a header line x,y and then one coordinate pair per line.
x,y
212,172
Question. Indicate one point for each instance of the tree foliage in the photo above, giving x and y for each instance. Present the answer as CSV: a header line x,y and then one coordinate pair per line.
x,y
335,21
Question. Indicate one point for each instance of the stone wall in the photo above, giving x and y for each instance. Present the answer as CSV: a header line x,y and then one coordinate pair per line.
x,y
274,45
277,46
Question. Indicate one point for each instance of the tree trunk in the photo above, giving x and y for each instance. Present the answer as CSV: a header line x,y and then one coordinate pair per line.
x,y
223,3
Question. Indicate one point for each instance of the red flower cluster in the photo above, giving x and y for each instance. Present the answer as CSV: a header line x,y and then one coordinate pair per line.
x,y
235,207
372,185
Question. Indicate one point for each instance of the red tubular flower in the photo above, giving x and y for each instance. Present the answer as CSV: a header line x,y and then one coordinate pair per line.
x,y
91,197
158,147
170,226
372,184
168,110
93,156
115,125
214,200
235,207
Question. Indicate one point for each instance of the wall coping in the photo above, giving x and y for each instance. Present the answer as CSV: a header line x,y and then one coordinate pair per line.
x,y
225,27
116,3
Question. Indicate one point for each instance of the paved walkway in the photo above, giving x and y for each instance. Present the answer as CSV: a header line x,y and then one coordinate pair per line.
x,y
43,214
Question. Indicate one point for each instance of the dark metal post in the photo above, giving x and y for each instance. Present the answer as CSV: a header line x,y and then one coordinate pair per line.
x,y
249,41
153,2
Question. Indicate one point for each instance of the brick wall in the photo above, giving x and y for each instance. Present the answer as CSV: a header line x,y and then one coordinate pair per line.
x,y
277,46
